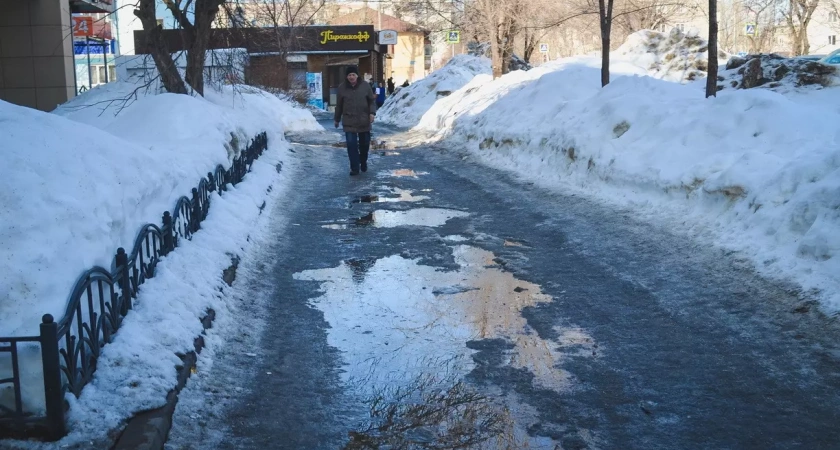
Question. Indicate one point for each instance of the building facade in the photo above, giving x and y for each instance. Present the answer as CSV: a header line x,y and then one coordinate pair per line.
x,y
37,54
284,58
410,58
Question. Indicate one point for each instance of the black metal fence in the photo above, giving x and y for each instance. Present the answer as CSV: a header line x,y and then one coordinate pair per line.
x,y
101,298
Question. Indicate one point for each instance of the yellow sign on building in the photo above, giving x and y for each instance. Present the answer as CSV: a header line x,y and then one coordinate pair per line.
x,y
328,36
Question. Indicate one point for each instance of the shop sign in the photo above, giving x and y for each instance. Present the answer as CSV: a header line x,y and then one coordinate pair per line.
x,y
328,36
387,37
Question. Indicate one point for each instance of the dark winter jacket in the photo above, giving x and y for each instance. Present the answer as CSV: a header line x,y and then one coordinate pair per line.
x,y
354,107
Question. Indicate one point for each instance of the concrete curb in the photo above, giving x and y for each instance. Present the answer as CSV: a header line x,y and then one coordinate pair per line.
x,y
148,430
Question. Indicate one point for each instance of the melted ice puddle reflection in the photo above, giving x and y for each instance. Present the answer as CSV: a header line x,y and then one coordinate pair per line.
x,y
392,315
405,195
424,217
403,173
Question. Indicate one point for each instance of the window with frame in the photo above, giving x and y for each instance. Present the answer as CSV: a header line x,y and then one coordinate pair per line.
x,y
833,17
97,74
832,40
680,26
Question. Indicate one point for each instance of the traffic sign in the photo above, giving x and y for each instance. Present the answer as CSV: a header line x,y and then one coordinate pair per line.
x,y
543,48
453,37
749,29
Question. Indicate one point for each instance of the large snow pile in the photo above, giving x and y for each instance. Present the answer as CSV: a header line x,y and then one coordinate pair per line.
x,y
407,105
755,170
75,190
674,56
776,72
78,187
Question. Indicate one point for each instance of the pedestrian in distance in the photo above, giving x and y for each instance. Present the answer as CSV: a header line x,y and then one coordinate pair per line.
x,y
391,86
380,95
355,109
405,84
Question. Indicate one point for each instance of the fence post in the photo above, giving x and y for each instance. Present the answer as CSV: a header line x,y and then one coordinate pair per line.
x,y
212,181
197,215
168,243
124,280
53,392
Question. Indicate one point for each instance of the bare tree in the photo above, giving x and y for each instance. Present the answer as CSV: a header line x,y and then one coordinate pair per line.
x,y
798,16
280,19
169,75
650,14
195,32
711,78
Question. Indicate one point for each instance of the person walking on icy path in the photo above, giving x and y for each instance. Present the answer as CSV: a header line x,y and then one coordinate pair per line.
x,y
356,109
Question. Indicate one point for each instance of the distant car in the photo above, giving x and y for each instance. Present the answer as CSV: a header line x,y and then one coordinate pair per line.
x,y
832,58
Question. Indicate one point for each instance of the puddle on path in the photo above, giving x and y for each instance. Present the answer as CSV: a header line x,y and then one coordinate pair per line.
x,y
390,153
394,319
403,195
387,316
425,217
403,173
455,238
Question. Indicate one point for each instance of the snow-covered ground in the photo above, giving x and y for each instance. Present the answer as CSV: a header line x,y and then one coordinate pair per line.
x,y
755,170
80,183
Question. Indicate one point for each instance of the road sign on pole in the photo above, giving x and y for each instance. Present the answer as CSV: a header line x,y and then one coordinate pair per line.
x,y
543,48
453,37
749,29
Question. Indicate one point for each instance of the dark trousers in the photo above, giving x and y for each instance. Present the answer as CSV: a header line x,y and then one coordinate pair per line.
x,y
358,147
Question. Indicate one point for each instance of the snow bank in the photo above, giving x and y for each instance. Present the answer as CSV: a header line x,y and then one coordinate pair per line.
x,y
751,170
407,105
78,187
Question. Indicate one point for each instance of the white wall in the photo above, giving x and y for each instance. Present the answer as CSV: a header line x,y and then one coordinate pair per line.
x,y
822,26
126,23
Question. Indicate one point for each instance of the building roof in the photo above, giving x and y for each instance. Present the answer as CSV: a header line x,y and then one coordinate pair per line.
x,y
380,20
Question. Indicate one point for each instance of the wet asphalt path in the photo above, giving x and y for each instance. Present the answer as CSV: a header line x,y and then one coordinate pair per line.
x,y
694,351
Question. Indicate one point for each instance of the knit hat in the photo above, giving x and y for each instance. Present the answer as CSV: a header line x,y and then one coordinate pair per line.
x,y
352,69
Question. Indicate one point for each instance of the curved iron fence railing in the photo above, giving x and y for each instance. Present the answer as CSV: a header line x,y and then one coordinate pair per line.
x,y
101,298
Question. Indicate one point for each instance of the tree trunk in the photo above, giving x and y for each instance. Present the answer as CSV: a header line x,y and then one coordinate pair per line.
x,y
806,44
711,79
495,54
605,15
530,45
605,57
205,12
507,43
166,67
